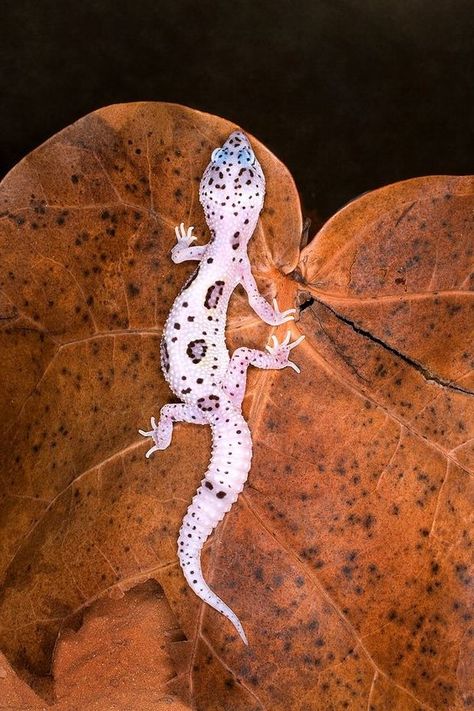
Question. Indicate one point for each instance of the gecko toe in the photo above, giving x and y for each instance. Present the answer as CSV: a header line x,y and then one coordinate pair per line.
x,y
145,434
150,451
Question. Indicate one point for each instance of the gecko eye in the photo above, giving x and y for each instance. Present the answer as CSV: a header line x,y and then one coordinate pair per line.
x,y
246,156
216,155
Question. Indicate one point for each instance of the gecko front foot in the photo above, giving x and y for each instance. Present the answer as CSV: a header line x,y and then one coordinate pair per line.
x,y
160,434
282,316
184,238
281,351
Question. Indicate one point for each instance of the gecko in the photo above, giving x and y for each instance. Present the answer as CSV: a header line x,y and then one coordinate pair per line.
x,y
194,357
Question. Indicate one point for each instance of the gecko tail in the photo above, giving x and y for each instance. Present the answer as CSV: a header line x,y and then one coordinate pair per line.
x,y
214,601
222,483
193,574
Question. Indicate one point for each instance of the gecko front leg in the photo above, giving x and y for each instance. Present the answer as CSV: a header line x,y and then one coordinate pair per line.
x,y
277,357
271,315
161,433
182,252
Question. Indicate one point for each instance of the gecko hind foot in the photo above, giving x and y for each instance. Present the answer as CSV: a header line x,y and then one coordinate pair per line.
x,y
161,435
282,316
281,351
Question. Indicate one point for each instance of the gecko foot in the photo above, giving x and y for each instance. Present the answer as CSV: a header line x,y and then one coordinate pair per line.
x,y
160,434
281,351
282,316
184,238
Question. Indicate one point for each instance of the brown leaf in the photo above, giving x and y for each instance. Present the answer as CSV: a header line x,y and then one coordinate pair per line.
x,y
96,667
346,557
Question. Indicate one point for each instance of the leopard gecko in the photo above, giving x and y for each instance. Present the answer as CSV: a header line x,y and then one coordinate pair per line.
x,y
194,357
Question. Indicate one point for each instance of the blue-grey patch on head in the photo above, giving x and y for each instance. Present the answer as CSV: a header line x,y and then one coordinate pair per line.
x,y
217,156
246,156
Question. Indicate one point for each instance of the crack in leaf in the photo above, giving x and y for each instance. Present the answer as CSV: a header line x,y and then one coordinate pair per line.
x,y
423,370
347,359
334,373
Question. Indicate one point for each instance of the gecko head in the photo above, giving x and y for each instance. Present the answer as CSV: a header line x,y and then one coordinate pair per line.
x,y
232,188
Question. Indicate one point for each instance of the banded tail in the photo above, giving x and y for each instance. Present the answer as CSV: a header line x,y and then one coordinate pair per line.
x,y
222,483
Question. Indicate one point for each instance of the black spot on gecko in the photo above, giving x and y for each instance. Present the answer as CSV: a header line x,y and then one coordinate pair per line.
x,y
165,359
221,494
235,240
209,485
209,403
196,350
213,295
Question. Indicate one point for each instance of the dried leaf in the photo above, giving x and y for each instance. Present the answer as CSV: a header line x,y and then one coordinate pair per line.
x,y
346,557
95,667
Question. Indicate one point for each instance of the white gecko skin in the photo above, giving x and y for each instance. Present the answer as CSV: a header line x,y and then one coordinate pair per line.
x,y
194,356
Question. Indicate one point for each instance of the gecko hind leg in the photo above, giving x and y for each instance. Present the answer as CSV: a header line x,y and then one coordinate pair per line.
x,y
162,431
277,357
270,314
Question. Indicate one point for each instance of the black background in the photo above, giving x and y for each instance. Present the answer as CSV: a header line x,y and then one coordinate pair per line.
x,y
350,94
